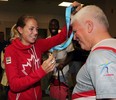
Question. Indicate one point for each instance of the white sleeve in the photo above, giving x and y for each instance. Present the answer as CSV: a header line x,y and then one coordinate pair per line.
x,y
2,60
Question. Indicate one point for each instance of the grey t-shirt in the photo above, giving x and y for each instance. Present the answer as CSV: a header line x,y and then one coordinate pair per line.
x,y
97,77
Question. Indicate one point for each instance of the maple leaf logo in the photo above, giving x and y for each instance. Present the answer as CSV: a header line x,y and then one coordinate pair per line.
x,y
33,60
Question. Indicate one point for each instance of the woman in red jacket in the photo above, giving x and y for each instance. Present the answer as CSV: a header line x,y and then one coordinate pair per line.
x,y
23,59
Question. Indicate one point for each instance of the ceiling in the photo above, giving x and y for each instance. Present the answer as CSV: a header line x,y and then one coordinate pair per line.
x,y
39,6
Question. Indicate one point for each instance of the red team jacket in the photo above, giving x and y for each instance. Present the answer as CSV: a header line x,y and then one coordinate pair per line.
x,y
23,66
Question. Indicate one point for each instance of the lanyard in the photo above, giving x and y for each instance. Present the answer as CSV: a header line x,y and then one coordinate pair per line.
x,y
67,15
64,45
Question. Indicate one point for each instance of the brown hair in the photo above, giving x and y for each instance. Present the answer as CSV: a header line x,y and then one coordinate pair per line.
x,y
20,23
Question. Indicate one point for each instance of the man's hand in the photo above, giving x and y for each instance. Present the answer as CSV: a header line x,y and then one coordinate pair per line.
x,y
60,66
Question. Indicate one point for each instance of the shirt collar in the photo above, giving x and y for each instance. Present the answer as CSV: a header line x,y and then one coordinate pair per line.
x,y
106,42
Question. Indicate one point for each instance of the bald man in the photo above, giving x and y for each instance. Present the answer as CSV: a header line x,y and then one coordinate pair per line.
x,y
96,80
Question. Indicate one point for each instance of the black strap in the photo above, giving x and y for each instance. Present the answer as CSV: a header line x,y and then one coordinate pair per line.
x,y
63,76
69,95
59,77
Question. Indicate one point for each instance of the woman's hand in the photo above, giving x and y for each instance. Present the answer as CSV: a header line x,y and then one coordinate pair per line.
x,y
49,64
76,7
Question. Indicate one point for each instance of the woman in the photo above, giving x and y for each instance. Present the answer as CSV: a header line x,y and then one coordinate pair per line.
x,y
23,59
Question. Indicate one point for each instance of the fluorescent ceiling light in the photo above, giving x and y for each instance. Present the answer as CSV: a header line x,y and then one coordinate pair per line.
x,y
3,0
65,4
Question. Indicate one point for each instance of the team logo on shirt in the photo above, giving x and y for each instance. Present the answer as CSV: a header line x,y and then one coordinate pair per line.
x,y
105,69
8,60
